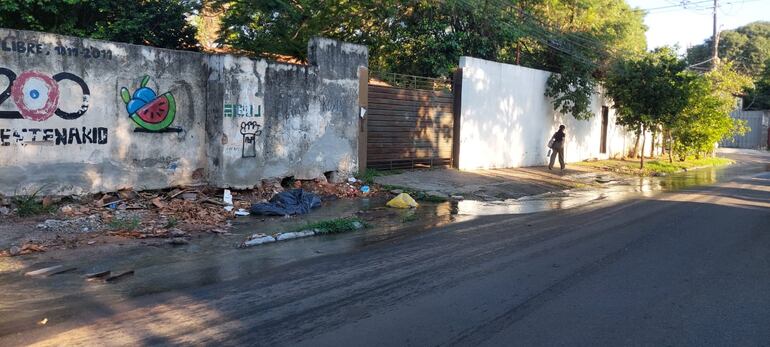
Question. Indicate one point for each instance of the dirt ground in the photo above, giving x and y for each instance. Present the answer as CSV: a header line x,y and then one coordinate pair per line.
x,y
128,217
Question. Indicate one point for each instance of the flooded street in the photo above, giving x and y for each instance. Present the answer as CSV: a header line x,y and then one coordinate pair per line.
x,y
216,261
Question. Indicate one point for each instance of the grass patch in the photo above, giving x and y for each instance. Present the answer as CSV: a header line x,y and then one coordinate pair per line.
x,y
368,176
172,222
335,226
28,205
124,224
409,218
653,166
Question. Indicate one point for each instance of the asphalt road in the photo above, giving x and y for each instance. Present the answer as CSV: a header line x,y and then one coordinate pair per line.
x,y
690,267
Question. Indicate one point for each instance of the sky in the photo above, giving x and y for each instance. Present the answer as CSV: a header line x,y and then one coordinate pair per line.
x,y
691,25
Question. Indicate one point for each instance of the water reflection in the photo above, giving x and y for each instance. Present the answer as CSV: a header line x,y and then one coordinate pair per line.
x,y
615,190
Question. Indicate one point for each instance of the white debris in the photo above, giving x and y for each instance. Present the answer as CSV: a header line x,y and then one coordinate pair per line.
x,y
228,197
257,239
294,235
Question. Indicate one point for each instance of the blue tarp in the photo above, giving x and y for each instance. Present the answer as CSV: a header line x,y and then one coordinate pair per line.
x,y
290,202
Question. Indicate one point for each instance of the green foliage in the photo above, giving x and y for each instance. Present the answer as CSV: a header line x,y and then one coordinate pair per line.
x,y
426,37
706,119
335,226
572,89
28,206
172,222
410,216
160,23
654,167
758,98
748,46
369,175
650,89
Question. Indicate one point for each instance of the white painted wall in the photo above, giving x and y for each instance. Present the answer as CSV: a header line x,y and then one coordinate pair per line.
x,y
507,120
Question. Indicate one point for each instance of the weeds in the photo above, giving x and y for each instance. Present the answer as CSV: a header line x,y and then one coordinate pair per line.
x,y
124,224
335,226
409,218
654,167
172,222
28,205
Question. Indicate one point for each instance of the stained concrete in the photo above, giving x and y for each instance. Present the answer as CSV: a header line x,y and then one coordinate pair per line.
x,y
238,120
303,118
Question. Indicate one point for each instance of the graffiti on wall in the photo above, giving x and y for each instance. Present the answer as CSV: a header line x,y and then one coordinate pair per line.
x,y
37,48
239,110
53,136
36,95
250,131
150,111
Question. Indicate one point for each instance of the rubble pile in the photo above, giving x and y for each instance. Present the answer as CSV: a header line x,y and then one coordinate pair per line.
x,y
76,225
171,214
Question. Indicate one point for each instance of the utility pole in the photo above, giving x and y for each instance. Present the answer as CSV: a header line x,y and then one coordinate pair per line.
x,y
715,39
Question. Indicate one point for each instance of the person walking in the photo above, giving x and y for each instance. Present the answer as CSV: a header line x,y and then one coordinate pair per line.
x,y
558,148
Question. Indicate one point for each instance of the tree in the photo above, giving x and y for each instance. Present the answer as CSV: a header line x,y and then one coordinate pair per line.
x,y
706,119
758,98
426,37
159,23
748,47
649,91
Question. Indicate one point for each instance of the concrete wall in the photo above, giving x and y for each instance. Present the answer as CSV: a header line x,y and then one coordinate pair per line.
x,y
506,120
65,127
280,120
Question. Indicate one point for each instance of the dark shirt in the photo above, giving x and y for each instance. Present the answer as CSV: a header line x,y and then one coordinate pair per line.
x,y
558,136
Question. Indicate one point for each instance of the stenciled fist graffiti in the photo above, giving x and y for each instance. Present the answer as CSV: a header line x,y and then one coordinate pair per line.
x,y
250,131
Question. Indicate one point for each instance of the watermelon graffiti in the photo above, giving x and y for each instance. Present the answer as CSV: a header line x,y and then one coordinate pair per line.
x,y
150,111
36,95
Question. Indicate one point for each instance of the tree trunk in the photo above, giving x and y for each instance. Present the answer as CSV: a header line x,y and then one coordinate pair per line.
x,y
644,139
664,139
636,145
652,144
671,149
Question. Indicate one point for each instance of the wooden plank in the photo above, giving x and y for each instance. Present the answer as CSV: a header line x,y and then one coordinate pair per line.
x,y
430,123
409,128
427,135
407,115
408,92
388,146
411,109
417,129
420,152
384,103
406,97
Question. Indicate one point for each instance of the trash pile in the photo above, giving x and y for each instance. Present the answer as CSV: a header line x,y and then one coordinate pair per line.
x,y
170,214
288,203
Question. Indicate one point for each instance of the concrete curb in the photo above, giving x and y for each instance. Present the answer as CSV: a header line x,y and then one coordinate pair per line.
x,y
261,239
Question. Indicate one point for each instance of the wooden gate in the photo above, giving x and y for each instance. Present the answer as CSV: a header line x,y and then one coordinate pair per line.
x,y
410,122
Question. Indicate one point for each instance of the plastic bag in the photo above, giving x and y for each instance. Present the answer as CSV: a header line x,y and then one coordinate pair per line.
x,y
290,202
403,200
